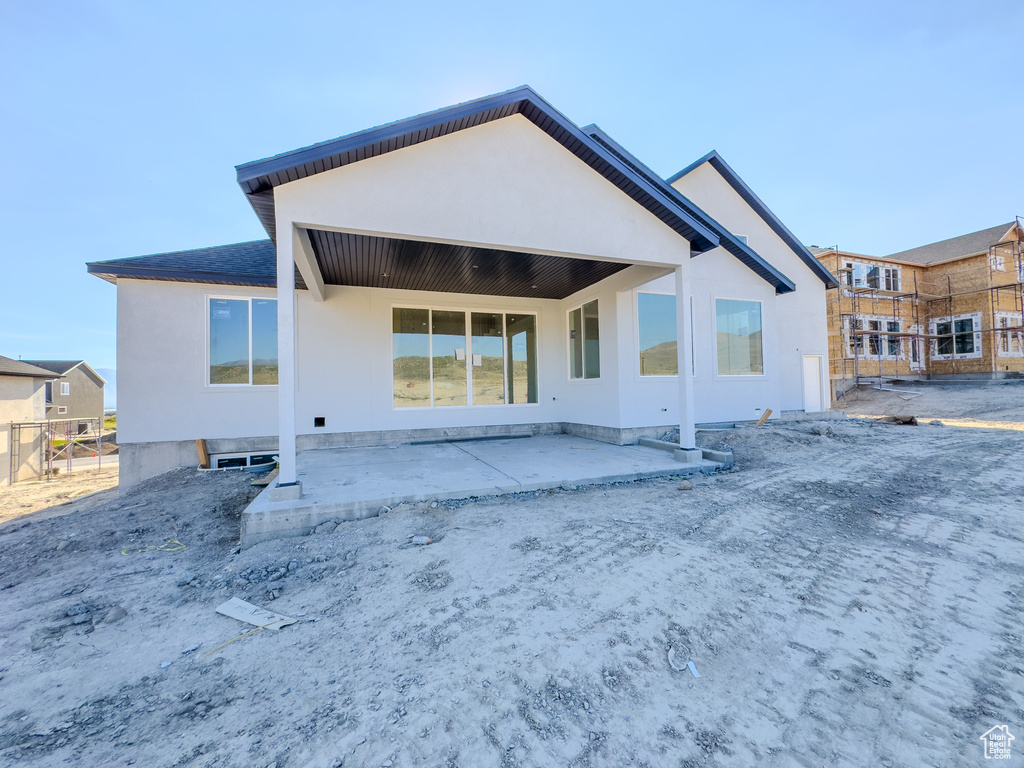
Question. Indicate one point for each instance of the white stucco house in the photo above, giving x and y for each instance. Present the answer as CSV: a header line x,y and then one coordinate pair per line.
x,y
485,269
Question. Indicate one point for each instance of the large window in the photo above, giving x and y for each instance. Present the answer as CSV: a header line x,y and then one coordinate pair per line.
x,y
243,341
738,328
957,337
584,342
656,323
858,275
443,357
893,342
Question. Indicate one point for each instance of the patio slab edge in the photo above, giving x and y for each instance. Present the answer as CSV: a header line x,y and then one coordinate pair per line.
x,y
264,520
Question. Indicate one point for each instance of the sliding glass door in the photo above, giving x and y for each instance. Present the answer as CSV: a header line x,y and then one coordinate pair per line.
x,y
440,360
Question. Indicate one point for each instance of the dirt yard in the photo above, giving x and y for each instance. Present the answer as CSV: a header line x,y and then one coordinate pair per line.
x,y
56,494
849,598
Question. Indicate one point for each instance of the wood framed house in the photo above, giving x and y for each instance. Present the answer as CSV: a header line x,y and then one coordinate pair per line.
x,y
951,309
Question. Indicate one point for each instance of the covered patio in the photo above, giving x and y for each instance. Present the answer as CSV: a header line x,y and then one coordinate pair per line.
x,y
508,238
354,483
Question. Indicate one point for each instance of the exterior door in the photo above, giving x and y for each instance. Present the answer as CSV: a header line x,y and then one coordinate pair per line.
x,y
812,384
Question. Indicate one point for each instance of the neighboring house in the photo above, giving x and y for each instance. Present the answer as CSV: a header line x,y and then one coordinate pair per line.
x,y
486,269
952,309
22,400
75,393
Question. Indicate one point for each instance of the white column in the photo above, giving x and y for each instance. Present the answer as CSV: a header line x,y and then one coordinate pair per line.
x,y
684,353
286,353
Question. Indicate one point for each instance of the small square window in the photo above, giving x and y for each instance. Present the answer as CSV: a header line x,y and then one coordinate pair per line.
x,y
62,409
65,388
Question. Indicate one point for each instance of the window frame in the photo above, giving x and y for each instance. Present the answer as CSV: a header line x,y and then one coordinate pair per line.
x,y
878,342
951,322
62,410
235,297
568,344
469,312
640,376
1012,339
714,330
65,388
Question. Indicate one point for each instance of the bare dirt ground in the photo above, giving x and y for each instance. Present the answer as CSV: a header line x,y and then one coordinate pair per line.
x,y
56,493
849,599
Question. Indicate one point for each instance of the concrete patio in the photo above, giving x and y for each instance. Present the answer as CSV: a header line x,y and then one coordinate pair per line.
x,y
354,483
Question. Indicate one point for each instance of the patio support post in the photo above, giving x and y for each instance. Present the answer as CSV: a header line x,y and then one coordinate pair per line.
x,y
286,243
684,357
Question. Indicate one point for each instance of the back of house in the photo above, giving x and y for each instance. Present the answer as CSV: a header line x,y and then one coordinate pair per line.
x,y
487,269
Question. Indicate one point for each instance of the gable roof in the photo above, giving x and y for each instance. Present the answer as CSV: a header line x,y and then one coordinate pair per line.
x,y
727,240
955,247
773,221
252,263
64,367
9,367
258,178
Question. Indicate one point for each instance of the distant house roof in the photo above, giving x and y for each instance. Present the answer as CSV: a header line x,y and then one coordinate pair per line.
x,y
64,367
9,367
956,247
745,192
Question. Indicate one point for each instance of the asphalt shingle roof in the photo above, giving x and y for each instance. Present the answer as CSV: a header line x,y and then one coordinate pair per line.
x,y
9,367
955,247
60,367
251,263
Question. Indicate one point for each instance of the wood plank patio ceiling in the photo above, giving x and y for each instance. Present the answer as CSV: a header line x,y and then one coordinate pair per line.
x,y
413,265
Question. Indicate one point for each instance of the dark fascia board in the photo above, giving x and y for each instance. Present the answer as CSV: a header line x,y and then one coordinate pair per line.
x,y
741,188
728,241
258,177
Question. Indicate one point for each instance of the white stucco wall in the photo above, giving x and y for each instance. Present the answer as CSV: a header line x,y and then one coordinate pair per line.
x,y
162,368
800,322
504,184
501,185
344,369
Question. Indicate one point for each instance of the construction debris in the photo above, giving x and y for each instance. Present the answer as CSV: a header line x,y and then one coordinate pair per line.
x,y
252,614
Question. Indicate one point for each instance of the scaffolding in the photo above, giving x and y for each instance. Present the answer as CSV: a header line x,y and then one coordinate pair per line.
x,y
873,328
51,447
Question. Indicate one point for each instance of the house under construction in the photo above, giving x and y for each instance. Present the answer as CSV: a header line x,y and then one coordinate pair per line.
x,y
952,309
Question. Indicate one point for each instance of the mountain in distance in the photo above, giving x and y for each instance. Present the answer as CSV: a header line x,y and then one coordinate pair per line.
x,y
110,389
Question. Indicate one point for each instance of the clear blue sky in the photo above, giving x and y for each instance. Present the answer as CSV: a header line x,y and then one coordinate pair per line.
x,y
876,126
